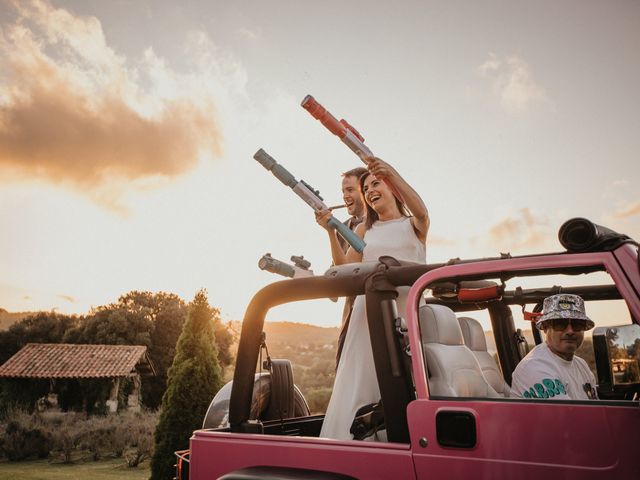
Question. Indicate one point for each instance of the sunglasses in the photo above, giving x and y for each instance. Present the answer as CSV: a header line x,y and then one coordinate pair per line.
x,y
560,324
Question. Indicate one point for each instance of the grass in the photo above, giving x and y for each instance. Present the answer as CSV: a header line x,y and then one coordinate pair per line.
x,y
44,470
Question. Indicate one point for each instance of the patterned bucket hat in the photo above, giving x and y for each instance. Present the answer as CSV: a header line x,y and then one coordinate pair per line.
x,y
564,306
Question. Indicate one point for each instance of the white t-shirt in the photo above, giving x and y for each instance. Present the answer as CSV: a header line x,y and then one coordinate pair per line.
x,y
543,374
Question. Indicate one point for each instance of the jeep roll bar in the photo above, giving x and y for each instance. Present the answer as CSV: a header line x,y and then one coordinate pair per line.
x,y
377,280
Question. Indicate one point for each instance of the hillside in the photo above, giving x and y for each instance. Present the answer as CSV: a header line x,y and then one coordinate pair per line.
x,y
300,333
290,333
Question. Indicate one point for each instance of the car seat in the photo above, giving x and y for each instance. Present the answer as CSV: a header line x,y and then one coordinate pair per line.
x,y
474,338
453,369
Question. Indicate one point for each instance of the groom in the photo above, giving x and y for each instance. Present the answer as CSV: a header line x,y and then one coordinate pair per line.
x,y
355,207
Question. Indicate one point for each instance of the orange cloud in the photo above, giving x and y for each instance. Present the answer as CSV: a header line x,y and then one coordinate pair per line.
x,y
71,111
523,231
630,210
440,241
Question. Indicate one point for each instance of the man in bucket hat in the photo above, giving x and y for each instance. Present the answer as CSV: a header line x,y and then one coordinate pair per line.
x,y
551,369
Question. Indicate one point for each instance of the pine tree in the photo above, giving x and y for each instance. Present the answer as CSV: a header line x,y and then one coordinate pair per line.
x,y
193,380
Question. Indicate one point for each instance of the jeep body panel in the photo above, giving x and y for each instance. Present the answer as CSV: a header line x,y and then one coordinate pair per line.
x,y
528,439
222,452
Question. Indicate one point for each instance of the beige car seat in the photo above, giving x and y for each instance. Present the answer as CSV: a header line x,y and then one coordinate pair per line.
x,y
453,369
474,338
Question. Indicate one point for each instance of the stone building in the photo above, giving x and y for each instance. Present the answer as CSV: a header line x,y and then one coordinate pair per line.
x,y
56,361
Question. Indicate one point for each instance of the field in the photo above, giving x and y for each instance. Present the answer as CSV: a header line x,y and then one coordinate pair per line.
x,y
110,469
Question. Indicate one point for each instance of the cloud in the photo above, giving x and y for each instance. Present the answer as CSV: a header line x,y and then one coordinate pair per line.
x,y
511,82
75,112
521,231
440,241
620,183
630,210
248,33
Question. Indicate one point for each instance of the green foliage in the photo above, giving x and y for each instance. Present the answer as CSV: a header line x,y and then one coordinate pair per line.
x,y
97,436
71,436
67,432
41,327
24,437
140,440
115,325
193,380
168,313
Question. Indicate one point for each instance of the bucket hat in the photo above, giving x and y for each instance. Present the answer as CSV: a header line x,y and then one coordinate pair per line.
x,y
564,305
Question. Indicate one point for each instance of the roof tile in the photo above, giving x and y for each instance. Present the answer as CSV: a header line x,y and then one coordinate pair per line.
x,y
63,360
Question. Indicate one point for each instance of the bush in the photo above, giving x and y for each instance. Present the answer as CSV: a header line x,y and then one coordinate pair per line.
x,y
140,439
21,443
67,431
24,437
66,435
97,436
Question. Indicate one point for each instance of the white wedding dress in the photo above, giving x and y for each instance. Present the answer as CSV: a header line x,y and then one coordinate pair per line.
x,y
356,383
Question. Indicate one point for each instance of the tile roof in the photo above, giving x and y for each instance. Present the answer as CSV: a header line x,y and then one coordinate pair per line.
x,y
63,360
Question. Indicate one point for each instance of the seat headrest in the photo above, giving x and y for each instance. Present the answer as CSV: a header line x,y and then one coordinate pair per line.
x,y
473,334
439,325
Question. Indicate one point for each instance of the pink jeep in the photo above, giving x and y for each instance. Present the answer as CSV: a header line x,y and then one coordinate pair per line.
x,y
446,404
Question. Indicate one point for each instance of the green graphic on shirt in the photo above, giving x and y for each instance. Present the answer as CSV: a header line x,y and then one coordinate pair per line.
x,y
547,389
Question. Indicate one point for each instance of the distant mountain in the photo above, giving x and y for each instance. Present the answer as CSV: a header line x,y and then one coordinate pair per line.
x,y
8,318
296,333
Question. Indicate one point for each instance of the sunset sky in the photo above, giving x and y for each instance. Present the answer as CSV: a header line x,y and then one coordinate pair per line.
x,y
127,130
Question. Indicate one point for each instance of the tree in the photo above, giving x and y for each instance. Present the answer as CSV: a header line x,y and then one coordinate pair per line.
x,y
193,380
41,327
116,325
154,320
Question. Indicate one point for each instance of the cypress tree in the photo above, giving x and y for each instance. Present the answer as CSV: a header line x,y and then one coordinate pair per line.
x,y
192,381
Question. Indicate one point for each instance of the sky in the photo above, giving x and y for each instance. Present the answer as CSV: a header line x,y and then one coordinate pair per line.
x,y
127,131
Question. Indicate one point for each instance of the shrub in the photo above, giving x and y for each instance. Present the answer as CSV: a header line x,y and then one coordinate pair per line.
x,y
21,443
64,435
24,437
67,430
141,445
97,436
137,429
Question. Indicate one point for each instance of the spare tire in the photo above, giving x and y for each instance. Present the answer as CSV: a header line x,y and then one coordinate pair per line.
x,y
217,415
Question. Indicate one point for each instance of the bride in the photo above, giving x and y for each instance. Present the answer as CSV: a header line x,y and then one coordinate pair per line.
x,y
395,225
